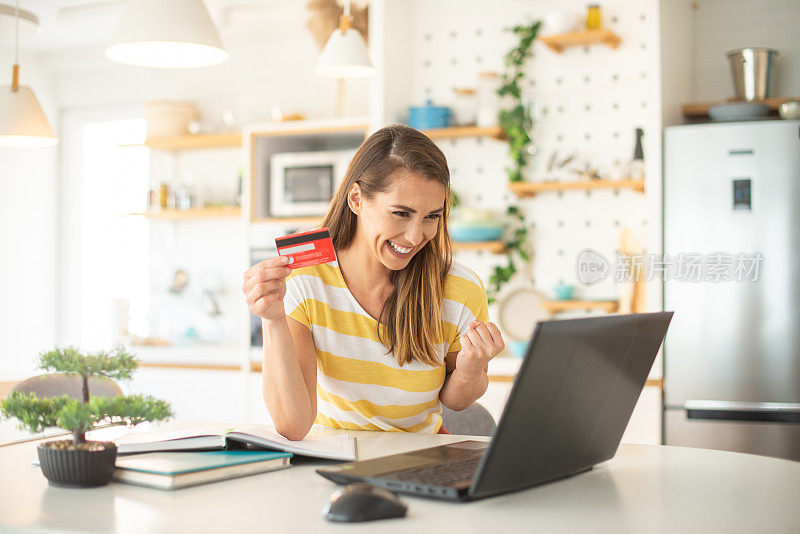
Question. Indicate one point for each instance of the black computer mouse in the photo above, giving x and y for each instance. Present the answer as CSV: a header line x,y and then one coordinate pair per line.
x,y
363,502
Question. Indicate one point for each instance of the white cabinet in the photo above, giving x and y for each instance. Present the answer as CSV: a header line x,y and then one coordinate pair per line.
x,y
644,426
208,395
257,410
495,398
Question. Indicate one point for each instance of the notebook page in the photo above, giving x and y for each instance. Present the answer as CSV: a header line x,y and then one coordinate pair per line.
x,y
341,447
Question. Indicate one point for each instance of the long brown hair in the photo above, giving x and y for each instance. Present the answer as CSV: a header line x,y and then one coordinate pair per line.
x,y
412,311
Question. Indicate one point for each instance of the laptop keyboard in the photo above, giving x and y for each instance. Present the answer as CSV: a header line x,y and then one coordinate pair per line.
x,y
441,474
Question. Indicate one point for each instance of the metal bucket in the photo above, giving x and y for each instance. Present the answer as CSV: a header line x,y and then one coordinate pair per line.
x,y
753,70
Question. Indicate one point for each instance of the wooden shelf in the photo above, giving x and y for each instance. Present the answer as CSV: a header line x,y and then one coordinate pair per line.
x,y
557,306
228,212
495,247
495,132
190,142
701,109
529,189
302,128
558,43
289,220
192,366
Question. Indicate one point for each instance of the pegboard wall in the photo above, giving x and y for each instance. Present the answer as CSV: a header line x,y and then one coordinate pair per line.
x,y
586,101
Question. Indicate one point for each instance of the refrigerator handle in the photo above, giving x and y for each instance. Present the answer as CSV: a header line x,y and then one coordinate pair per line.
x,y
743,411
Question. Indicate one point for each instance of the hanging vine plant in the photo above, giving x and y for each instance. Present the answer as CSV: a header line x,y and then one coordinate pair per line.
x,y
516,122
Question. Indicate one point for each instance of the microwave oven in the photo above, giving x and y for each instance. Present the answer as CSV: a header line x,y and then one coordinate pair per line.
x,y
303,183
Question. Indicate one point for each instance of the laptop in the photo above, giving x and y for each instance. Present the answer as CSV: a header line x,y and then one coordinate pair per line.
x,y
568,407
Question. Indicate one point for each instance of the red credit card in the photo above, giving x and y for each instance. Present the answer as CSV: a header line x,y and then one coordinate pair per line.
x,y
307,248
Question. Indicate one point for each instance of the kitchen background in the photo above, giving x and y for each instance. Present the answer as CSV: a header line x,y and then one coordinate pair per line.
x,y
77,267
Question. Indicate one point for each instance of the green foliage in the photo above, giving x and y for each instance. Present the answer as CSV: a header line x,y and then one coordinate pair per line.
x,y
516,123
116,365
133,409
455,199
74,415
35,414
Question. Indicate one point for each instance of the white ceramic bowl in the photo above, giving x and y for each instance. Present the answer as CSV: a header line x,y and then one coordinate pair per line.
x,y
560,22
470,214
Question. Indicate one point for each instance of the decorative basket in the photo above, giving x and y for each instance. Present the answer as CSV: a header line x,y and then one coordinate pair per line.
x,y
167,118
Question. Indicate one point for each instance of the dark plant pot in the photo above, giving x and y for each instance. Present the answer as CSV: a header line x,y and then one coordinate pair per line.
x,y
78,468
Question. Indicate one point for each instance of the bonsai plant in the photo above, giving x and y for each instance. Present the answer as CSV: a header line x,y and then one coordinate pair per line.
x,y
78,462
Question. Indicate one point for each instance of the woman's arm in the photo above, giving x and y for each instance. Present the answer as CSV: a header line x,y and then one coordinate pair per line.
x,y
289,376
468,380
288,372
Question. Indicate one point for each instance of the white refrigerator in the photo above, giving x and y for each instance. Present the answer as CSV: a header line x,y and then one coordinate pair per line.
x,y
732,258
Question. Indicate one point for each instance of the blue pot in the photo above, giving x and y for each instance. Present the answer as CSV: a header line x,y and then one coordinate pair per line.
x,y
429,116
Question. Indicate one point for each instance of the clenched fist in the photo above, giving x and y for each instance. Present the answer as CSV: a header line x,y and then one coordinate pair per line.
x,y
481,343
265,286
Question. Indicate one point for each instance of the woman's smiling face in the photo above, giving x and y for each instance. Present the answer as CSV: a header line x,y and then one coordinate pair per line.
x,y
397,223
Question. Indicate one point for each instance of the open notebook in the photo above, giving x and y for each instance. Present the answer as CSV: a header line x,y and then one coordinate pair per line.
x,y
339,447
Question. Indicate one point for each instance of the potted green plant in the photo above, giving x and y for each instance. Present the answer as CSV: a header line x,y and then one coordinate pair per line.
x,y
76,461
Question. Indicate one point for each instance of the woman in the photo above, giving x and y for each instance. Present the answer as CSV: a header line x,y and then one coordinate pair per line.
x,y
378,338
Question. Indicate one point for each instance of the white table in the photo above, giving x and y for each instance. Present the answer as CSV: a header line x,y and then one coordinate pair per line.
x,y
645,488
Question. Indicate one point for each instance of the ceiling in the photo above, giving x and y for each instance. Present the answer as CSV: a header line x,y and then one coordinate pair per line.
x,y
65,24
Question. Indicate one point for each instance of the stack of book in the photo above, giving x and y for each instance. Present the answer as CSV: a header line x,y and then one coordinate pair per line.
x,y
174,470
181,458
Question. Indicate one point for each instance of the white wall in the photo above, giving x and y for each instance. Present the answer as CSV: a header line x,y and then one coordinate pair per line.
x,y
677,58
27,235
724,25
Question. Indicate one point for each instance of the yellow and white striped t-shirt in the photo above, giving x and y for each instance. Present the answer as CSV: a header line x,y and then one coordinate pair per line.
x,y
359,385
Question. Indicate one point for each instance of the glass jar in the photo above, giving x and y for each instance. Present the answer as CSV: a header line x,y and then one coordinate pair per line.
x,y
464,107
488,100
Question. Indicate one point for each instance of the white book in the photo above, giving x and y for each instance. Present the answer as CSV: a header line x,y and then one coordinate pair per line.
x,y
339,447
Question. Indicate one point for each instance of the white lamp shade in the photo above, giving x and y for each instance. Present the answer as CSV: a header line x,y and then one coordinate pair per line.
x,y
166,34
345,56
22,121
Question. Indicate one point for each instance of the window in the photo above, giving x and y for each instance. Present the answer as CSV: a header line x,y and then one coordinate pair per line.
x,y
105,279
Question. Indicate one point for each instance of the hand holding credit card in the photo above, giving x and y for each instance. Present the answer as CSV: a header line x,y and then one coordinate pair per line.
x,y
307,248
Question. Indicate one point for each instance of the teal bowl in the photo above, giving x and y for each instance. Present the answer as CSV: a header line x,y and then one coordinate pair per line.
x,y
518,348
563,291
472,231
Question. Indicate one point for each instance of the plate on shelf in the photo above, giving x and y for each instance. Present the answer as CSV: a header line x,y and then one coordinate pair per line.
x,y
519,311
738,111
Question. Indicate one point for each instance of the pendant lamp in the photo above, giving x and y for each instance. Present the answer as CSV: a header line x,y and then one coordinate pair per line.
x,y
22,121
166,34
345,54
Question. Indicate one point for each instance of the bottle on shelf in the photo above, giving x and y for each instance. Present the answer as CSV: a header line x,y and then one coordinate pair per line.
x,y
488,101
166,199
636,167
